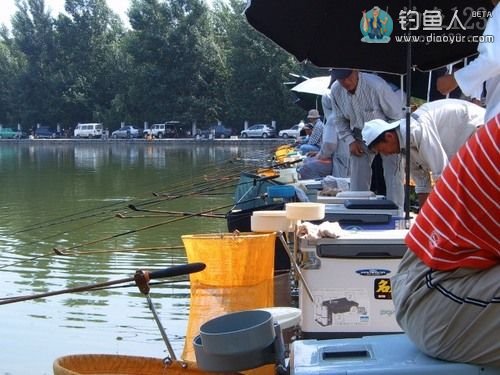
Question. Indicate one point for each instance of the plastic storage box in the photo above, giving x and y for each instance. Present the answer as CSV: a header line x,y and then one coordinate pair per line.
x,y
374,355
349,278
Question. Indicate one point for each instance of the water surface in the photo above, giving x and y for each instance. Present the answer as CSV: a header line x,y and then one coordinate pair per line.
x,y
76,197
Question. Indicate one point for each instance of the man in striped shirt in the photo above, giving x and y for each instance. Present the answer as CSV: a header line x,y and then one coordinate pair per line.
x,y
314,142
447,289
358,98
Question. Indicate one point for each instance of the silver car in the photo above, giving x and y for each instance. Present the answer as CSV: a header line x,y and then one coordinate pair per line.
x,y
127,131
294,131
258,130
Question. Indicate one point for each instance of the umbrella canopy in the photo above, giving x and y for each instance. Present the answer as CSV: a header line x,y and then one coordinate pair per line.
x,y
336,34
390,37
315,86
310,91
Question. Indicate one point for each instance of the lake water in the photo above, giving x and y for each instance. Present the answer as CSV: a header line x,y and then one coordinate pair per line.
x,y
75,197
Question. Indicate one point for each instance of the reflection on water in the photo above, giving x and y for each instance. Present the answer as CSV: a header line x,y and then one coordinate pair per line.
x,y
75,198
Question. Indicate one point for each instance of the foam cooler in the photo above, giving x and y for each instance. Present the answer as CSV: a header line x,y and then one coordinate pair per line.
x,y
350,282
372,214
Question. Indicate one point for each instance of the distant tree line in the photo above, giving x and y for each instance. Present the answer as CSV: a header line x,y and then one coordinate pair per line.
x,y
179,60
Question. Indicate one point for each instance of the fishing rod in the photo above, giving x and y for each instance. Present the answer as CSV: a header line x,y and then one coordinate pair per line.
x,y
82,227
178,213
212,187
65,219
205,183
68,219
77,215
156,225
103,251
180,270
157,283
237,169
187,215
220,185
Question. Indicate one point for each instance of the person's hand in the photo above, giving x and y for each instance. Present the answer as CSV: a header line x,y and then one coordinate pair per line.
x,y
356,148
446,84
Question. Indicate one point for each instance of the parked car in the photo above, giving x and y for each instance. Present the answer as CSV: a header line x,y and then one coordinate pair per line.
x,y
215,131
169,129
293,132
258,130
221,131
127,131
203,133
88,130
45,132
9,133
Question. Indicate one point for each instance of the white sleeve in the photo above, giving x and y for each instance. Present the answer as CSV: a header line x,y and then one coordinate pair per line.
x,y
431,152
487,65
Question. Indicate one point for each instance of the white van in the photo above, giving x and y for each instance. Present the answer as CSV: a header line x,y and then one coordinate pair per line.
x,y
91,130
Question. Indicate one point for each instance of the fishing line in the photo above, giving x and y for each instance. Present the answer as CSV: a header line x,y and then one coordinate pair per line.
x,y
65,219
81,227
43,239
149,226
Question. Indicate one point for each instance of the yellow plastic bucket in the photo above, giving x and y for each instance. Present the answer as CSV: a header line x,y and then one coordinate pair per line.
x,y
238,276
231,260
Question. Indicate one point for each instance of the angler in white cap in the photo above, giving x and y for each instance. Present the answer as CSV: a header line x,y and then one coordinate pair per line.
x,y
437,130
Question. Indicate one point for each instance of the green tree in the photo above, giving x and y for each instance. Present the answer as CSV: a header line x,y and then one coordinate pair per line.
x,y
259,69
35,89
10,66
178,69
90,62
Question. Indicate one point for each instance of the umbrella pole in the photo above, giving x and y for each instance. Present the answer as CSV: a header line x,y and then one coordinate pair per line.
x,y
409,68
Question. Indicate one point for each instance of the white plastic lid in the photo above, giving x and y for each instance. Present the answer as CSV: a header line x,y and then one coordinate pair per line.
x,y
286,317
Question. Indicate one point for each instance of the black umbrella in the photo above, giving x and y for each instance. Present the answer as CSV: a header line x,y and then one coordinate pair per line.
x,y
396,37
329,33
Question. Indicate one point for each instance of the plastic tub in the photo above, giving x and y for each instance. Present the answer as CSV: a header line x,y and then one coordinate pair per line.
x,y
233,362
238,333
269,221
305,211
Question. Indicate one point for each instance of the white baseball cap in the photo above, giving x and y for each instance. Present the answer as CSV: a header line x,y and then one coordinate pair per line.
x,y
374,128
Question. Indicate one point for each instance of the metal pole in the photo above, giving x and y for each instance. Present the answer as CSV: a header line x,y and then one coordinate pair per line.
x,y
160,327
409,68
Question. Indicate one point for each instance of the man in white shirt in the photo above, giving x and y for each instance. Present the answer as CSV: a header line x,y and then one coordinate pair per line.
x,y
437,130
357,98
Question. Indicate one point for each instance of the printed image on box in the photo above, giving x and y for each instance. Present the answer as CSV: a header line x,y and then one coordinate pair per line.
x,y
339,307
